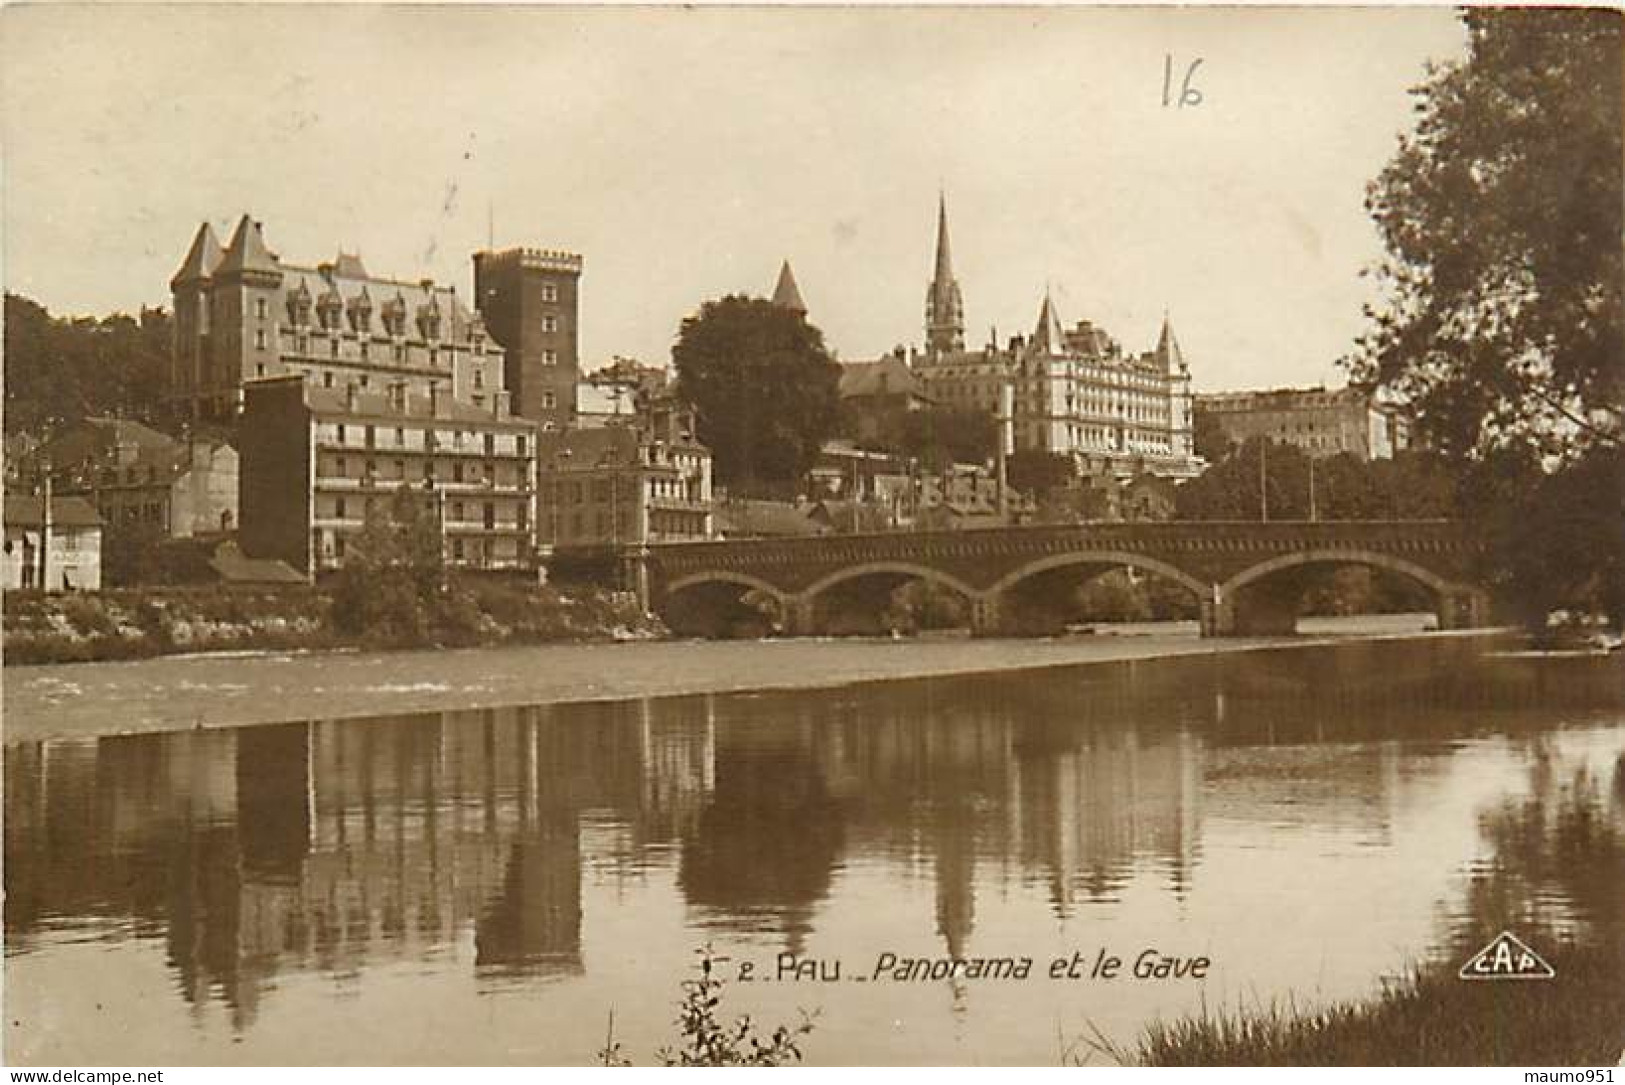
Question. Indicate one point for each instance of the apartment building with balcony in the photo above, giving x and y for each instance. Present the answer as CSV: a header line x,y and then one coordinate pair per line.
x,y
315,461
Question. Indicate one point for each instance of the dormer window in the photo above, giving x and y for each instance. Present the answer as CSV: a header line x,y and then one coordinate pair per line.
x,y
328,310
429,320
299,305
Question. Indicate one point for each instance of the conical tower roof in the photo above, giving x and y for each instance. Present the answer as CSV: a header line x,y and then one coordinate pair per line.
x,y
787,295
1047,336
247,251
201,259
1168,354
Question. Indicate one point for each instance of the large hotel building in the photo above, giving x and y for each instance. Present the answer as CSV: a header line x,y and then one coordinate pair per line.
x,y
1074,391
344,386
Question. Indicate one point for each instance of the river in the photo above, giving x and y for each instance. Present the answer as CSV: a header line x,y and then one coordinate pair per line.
x,y
260,874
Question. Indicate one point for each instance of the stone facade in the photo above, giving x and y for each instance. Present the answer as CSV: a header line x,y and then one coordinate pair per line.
x,y
623,486
60,552
530,299
242,313
1321,422
1075,392
315,461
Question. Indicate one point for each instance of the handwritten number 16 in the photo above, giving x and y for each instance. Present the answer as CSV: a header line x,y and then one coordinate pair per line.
x,y
1188,95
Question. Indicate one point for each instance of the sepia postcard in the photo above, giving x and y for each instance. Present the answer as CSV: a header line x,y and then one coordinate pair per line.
x,y
812,535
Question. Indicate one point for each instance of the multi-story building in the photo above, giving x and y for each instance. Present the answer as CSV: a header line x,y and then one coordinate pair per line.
x,y
138,478
1073,392
623,485
530,301
242,313
315,461
1321,422
52,544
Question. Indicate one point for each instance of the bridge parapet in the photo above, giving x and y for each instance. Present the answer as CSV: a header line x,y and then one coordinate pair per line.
x,y
981,559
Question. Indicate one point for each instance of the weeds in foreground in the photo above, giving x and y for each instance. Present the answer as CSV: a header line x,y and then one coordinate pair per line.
x,y
709,1042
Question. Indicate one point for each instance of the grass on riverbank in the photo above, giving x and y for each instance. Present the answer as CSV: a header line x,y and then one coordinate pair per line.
x,y
1428,1018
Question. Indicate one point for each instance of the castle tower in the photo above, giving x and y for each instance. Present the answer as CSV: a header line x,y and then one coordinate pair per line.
x,y
530,299
189,354
243,321
787,295
944,308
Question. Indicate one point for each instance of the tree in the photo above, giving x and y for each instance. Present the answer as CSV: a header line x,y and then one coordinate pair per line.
x,y
1038,474
1502,214
763,387
388,589
59,370
1208,438
939,437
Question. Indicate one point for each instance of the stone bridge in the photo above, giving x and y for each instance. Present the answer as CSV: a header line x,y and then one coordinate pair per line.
x,y
1241,572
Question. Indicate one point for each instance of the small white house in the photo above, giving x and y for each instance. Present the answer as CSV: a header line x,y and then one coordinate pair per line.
x,y
70,558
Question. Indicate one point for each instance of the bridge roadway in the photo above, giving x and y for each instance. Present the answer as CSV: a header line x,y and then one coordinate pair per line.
x,y
1241,571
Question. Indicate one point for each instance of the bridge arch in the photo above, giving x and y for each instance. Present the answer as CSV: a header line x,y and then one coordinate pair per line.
x,y
1199,588
724,576
901,568
1441,588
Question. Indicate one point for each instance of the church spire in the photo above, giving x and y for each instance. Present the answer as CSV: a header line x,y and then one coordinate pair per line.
x,y
787,295
944,307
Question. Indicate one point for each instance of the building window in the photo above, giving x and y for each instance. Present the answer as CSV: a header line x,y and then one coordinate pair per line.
x,y
490,444
490,511
338,508
550,292
259,339
259,370
550,323
456,510
549,401
457,471
457,549
520,441
479,378
363,350
259,308
327,380
400,437
341,441
550,357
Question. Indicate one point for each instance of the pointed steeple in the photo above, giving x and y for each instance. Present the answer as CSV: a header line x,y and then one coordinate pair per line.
x,y
944,307
201,259
1168,354
787,295
1047,336
247,252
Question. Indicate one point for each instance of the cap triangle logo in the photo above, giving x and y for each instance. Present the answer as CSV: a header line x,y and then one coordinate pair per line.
x,y
1506,958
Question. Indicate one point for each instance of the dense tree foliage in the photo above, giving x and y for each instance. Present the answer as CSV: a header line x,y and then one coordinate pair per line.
x,y
1039,474
59,369
1504,320
390,585
763,387
1411,486
1502,216
938,437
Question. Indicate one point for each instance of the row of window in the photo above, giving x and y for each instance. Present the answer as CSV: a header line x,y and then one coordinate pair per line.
x,y
456,513
432,439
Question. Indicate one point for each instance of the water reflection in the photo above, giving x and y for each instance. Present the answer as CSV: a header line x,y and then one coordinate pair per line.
x,y
337,846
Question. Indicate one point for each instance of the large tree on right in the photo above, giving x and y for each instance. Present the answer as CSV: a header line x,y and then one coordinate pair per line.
x,y
1503,325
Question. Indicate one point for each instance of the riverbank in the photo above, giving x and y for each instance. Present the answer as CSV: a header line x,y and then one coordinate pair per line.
x,y
227,690
153,622
1428,1018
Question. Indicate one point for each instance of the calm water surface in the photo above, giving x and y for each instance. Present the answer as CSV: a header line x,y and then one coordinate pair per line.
x,y
484,886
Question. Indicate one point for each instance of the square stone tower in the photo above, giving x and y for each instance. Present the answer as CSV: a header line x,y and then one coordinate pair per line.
x,y
530,301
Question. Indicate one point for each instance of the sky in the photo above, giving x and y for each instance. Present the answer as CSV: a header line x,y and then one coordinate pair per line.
x,y
686,152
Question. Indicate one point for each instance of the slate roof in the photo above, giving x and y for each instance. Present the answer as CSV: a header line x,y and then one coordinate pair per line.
x,y
23,510
787,295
